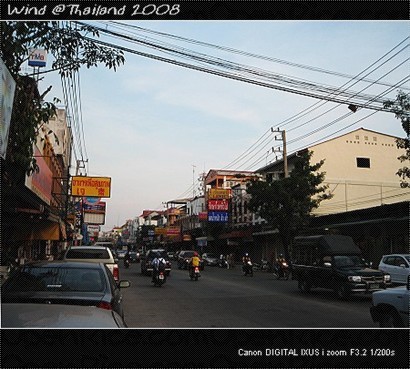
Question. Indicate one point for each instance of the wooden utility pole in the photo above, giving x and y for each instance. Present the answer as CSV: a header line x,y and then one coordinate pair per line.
x,y
285,155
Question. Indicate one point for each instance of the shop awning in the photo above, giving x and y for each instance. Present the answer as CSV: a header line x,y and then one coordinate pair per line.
x,y
43,230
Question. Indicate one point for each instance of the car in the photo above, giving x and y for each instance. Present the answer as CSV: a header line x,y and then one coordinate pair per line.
x,y
146,266
65,282
390,308
183,259
171,255
94,254
210,259
38,315
397,265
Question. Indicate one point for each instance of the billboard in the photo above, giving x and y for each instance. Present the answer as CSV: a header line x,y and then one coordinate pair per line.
x,y
218,205
37,58
219,193
217,216
8,86
91,186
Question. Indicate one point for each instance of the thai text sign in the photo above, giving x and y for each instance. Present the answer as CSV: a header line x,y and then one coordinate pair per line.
x,y
214,216
91,186
160,231
219,193
219,205
37,58
173,231
98,207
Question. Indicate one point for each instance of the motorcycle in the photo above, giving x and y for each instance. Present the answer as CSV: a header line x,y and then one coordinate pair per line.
x,y
282,270
247,269
223,263
194,273
126,263
159,278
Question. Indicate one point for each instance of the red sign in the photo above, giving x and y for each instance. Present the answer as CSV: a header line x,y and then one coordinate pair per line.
x,y
219,205
203,215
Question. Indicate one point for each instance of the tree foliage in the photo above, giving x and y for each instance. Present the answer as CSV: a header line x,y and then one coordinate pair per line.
x,y
287,203
71,48
401,108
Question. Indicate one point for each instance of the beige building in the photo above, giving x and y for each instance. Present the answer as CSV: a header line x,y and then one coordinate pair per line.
x,y
360,170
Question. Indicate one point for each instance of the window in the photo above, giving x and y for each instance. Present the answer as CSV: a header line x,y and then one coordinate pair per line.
x,y
363,162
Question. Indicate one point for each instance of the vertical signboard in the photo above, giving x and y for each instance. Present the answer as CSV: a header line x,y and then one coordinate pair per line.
x,y
8,86
37,58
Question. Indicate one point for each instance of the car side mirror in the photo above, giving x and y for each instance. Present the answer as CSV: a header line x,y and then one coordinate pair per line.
x,y
124,284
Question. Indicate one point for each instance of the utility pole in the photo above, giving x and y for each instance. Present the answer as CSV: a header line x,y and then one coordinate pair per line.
x,y
285,155
193,181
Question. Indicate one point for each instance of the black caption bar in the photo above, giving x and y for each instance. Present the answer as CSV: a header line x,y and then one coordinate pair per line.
x,y
205,10
205,348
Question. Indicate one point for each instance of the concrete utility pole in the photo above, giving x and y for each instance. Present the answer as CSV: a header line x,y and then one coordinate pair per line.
x,y
285,154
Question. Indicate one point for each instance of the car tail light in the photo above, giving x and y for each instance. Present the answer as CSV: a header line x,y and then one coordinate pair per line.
x,y
104,305
116,273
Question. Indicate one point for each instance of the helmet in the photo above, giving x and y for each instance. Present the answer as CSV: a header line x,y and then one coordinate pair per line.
x,y
246,254
195,253
281,255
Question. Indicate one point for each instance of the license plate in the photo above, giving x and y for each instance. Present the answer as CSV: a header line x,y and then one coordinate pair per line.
x,y
373,285
161,276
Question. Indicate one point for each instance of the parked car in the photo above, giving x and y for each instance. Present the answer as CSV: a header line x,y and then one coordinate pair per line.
x,y
65,282
146,260
94,254
183,259
39,315
210,259
397,265
390,308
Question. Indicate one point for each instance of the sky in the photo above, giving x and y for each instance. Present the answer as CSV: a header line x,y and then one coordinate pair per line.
x,y
154,127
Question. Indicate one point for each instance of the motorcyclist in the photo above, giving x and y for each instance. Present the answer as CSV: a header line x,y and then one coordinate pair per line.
x,y
158,264
194,262
127,258
246,268
280,264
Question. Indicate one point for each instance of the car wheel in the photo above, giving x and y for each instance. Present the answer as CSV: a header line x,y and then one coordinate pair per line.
x,y
304,285
389,320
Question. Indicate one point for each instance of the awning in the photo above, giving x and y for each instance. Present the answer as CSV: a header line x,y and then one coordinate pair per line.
x,y
43,230
244,233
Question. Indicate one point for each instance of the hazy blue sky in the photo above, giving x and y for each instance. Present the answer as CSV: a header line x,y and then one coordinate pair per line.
x,y
147,124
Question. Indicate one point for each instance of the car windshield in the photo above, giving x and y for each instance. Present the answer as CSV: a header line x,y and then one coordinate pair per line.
x,y
57,279
407,258
162,253
211,256
348,261
87,254
188,254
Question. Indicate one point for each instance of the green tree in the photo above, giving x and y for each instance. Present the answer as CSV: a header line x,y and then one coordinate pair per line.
x,y
401,108
287,203
71,48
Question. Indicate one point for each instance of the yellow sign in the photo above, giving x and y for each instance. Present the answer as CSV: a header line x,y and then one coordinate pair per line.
x,y
218,193
160,230
91,186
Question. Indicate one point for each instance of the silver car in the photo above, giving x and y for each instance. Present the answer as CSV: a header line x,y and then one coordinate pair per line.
x,y
397,265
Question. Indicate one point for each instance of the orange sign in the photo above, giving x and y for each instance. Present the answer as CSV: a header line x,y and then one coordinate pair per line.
x,y
91,186
219,193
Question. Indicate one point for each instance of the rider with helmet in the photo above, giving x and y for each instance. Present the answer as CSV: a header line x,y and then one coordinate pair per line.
x,y
158,263
247,264
194,261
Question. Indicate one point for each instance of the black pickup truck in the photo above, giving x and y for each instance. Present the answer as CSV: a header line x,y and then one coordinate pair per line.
x,y
334,262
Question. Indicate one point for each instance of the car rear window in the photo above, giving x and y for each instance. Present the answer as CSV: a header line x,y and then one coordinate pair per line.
x,y
87,254
57,279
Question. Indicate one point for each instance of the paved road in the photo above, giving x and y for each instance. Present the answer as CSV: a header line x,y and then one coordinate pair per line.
x,y
226,299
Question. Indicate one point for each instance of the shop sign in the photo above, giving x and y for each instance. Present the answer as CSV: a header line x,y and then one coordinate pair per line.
x,y
37,58
94,218
160,231
203,215
218,205
173,231
219,193
216,216
187,237
98,207
91,186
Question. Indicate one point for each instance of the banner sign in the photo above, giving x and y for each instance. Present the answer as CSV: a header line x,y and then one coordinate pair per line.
x,y
91,186
219,193
8,87
94,218
160,231
203,215
41,182
98,207
219,205
173,231
214,216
